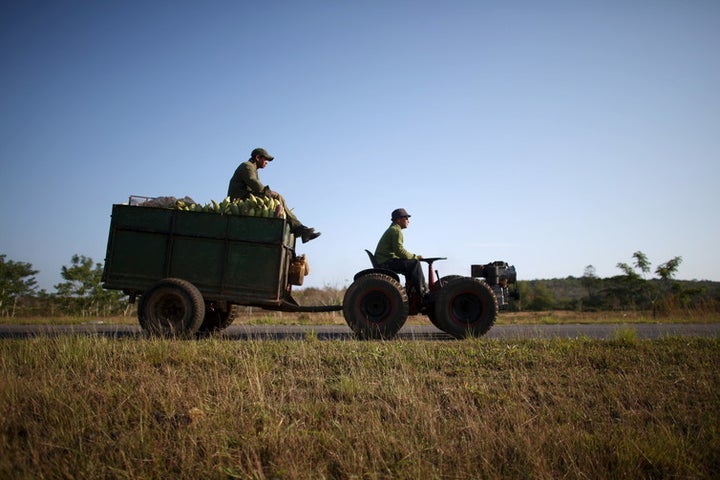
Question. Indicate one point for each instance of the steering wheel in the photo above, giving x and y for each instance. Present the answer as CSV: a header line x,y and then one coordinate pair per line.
x,y
432,259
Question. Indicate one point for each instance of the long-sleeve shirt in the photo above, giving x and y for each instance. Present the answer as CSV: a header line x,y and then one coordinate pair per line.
x,y
390,246
245,181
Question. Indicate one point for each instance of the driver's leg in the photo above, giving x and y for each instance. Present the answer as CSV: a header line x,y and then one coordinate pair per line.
x,y
412,269
418,278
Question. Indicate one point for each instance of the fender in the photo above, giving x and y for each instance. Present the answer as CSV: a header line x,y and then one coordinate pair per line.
x,y
384,271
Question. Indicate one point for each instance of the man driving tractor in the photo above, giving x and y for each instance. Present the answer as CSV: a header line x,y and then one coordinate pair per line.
x,y
391,254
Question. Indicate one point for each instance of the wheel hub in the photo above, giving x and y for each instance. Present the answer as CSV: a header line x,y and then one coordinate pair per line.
x,y
375,306
466,309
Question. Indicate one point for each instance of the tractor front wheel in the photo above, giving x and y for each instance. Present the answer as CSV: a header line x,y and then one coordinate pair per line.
x,y
465,307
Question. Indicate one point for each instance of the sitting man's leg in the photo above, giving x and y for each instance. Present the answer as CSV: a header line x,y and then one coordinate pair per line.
x,y
298,229
412,269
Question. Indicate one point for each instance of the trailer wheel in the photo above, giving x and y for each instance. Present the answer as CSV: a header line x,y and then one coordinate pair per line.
x,y
466,307
217,320
171,308
375,306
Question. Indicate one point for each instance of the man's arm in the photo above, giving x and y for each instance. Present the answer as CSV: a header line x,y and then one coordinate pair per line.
x,y
249,175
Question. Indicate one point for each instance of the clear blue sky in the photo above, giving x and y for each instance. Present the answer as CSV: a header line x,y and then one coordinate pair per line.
x,y
553,135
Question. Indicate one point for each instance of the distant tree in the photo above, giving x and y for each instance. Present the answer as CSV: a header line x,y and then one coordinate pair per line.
x,y
524,290
590,280
642,262
673,295
632,290
17,279
627,292
541,297
667,270
82,291
627,270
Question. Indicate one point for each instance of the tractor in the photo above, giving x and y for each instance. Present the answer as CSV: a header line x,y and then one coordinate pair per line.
x,y
376,305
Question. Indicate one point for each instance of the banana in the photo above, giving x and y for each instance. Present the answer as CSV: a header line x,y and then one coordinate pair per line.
x,y
252,206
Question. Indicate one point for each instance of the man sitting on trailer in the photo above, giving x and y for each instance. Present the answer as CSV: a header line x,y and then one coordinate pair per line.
x,y
245,181
391,254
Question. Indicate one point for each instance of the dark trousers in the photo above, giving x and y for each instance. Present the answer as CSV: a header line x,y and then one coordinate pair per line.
x,y
412,269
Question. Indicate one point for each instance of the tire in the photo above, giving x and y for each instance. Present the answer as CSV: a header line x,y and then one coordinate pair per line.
x,y
375,307
431,308
466,307
217,320
171,308
448,278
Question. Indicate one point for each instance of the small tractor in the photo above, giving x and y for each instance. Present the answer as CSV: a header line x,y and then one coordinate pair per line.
x,y
376,305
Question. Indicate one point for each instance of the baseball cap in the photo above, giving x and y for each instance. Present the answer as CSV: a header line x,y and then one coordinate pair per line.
x,y
399,212
262,152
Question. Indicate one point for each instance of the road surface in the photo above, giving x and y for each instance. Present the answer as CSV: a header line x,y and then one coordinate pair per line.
x,y
409,332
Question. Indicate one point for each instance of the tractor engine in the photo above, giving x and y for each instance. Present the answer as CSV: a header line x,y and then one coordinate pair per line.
x,y
501,277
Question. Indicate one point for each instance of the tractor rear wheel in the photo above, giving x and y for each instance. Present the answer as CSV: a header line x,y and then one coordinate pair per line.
x,y
171,308
375,306
465,307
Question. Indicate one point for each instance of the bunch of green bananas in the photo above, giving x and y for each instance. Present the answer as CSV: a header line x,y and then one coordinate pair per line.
x,y
253,206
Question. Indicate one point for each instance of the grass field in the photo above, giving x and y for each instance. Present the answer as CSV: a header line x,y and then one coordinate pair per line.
x,y
93,407
255,316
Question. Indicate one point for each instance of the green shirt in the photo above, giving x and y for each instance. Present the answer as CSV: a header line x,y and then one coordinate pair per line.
x,y
390,246
245,181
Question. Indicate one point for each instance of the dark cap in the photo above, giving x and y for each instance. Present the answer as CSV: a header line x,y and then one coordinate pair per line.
x,y
399,212
262,152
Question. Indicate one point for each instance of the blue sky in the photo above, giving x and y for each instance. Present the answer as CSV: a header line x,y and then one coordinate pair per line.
x,y
552,135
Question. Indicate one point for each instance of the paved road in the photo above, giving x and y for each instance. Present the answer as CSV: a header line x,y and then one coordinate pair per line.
x,y
409,332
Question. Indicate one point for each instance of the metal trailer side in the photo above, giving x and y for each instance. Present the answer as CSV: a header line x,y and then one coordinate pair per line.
x,y
229,258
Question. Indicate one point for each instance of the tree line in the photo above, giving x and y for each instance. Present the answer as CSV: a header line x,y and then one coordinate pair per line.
x,y
80,293
633,290
637,288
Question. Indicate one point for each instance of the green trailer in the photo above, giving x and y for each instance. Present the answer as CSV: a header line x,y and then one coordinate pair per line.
x,y
192,270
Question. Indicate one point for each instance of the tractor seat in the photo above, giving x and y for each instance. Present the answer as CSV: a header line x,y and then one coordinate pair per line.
x,y
372,259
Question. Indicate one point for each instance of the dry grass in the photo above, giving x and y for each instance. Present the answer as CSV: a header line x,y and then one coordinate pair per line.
x,y
256,316
84,407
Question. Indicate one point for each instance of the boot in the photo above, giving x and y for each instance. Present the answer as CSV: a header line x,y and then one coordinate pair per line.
x,y
309,234
305,233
